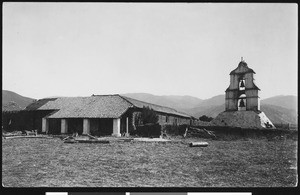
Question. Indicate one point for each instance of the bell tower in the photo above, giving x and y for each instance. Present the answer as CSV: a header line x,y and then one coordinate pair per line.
x,y
242,106
242,93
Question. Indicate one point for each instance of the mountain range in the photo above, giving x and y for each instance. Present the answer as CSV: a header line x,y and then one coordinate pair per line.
x,y
279,109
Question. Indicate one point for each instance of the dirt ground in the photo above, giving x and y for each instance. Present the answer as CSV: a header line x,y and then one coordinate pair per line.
x,y
240,163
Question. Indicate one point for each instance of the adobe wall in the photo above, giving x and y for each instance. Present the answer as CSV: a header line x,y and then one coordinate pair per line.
x,y
231,104
252,93
163,119
231,94
249,80
252,104
172,120
234,82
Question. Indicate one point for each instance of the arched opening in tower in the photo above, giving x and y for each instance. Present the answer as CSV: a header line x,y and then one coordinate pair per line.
x,y
242,84
242,102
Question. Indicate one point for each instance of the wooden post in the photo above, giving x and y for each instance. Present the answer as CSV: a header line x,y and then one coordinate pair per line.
x,y
45,125
86,126
133,121
64,126
116,127
127,130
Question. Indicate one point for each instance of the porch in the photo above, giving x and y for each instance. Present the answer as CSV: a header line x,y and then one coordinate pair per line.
x,y
94,126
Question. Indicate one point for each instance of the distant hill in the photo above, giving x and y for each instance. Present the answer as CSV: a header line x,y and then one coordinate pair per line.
x,y
279,109
214,101
211,111
178,102
209,107
278,114
13,101
285,101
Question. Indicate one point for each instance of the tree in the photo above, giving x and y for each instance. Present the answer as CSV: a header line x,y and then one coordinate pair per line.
x,y
149,116
205,118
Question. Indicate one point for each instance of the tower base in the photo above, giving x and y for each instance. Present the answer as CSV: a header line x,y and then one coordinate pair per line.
x,y
243,119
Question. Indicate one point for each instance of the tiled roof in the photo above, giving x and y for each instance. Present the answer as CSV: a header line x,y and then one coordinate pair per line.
x,y
37,104
107,106
242,69
98,106
158,108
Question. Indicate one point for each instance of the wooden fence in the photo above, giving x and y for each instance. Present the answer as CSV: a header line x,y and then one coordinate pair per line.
x,y
287,126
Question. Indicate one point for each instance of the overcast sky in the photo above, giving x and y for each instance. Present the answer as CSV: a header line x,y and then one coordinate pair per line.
x,y
80,49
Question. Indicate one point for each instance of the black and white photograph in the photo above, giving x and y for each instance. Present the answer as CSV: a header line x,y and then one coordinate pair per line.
x,y
149,95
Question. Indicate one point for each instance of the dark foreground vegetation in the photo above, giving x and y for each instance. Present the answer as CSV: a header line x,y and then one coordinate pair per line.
x,y
231,160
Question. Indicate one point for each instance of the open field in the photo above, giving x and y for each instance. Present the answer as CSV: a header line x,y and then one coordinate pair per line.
x,y
238,163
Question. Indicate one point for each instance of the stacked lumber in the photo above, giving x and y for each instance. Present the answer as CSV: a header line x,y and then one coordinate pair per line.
x,y
87,139
27,136
9,134
19,134
196,132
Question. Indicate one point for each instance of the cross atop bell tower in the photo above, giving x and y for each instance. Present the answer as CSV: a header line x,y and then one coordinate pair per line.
x,y
242,93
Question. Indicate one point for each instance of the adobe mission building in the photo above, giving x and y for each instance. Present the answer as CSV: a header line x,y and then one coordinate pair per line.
x,y
101,115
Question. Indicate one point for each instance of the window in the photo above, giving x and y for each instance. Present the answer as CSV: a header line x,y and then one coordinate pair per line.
x,y
167,119
176,121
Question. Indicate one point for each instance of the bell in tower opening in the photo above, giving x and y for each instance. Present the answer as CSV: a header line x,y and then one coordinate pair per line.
x,y
242,104
242,84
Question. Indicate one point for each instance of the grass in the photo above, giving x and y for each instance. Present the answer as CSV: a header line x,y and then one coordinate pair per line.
x,y
238,163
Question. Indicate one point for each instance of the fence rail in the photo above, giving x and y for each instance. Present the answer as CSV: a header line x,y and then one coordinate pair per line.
x,y
288,126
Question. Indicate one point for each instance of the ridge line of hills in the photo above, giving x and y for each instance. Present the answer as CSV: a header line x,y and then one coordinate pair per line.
x,y
279,109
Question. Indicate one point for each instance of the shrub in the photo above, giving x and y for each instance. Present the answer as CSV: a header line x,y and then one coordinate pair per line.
x,y
205,118
149,116
149,130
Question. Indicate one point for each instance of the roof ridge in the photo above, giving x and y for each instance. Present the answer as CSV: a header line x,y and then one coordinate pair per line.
x,y
104,95
124,97
126,100
148,103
